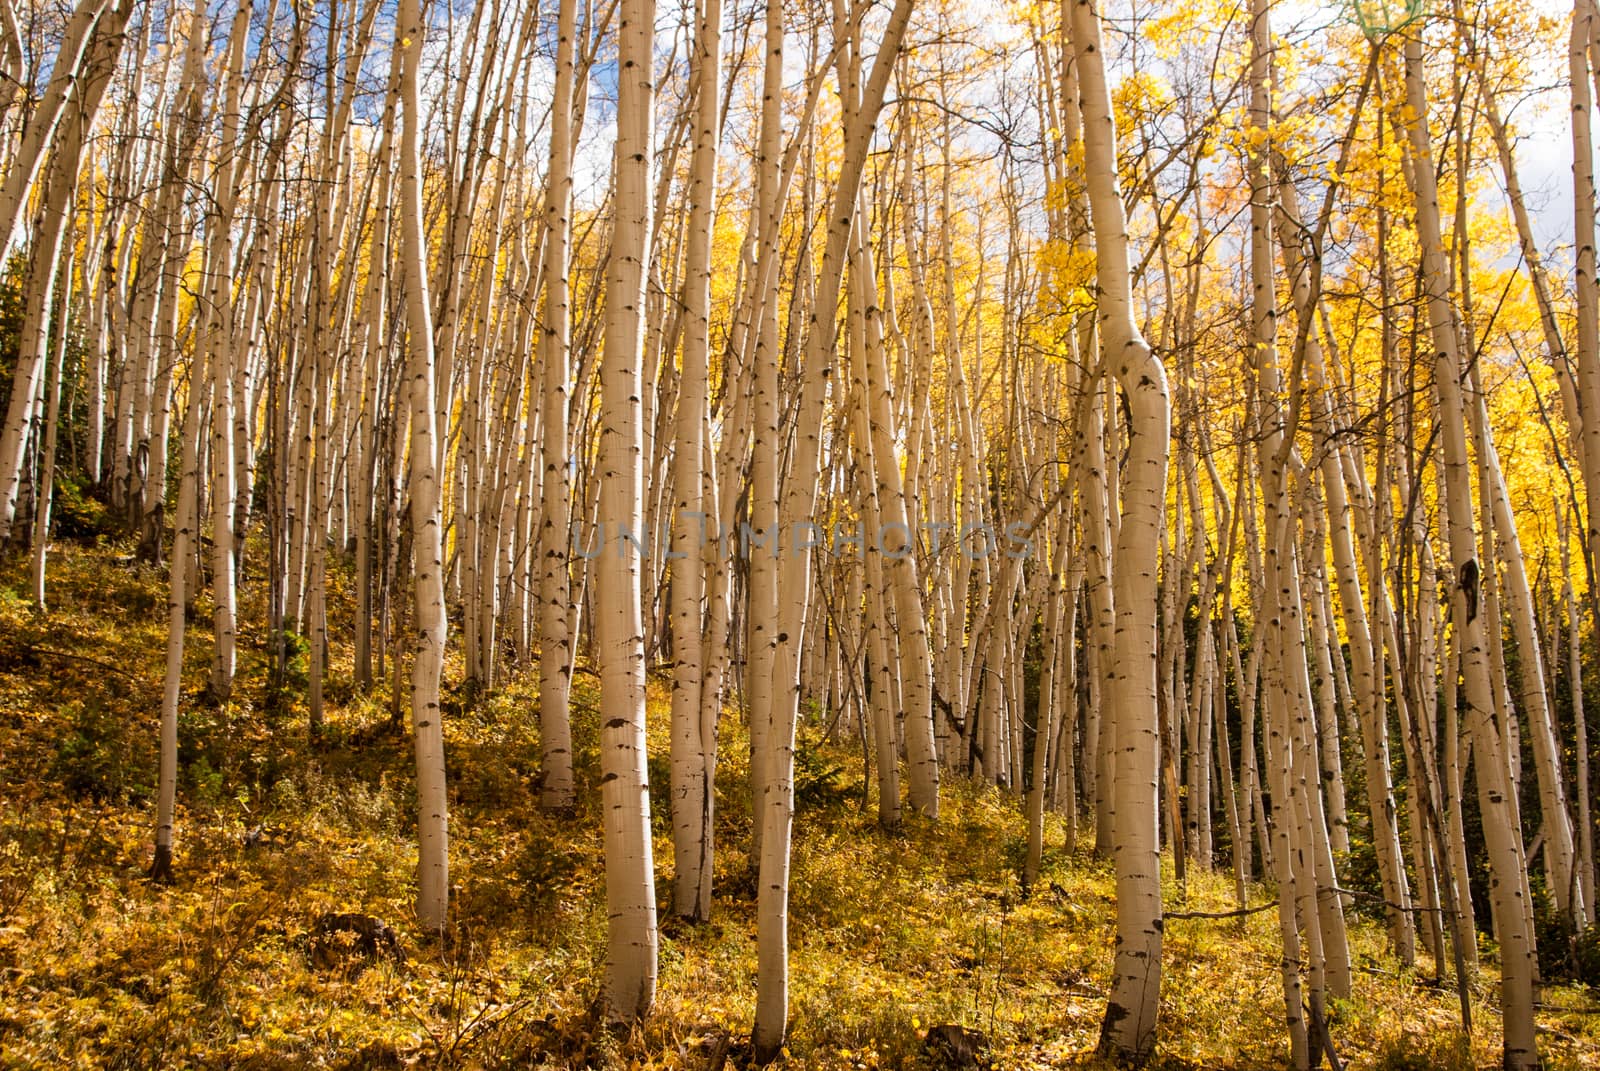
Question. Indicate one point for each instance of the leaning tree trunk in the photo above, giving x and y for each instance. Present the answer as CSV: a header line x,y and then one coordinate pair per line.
x,y
776,810
24,166
1502,833
55,210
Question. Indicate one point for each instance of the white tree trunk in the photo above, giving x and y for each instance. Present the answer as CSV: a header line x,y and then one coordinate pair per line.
x,y
223,339
555,582
693,751
44,493
619,626
433,838
185,527
776,810
1502,834
1129,1030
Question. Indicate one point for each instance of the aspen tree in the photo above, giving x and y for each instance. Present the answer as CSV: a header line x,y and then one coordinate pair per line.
x,y
1586,871
1417,675
1586,271
223,342
755,415
96,55
1531,711
127,314
555,612
10,45
630,881
1202,697
895,528
37,340
1236,811
1304,276
894,538
762,597
1060,608
23,169
1560,847
1096,494
1327,716
1129,1030
433,845
880,646
375,304
167,255
1502,834
693,737
1366,684
776,810
1299,816
185,527
43,495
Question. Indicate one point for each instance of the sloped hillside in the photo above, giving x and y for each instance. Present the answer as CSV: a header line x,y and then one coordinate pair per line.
x,y
267,951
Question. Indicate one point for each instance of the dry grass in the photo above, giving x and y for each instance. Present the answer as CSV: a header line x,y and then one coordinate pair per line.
x,y
890,933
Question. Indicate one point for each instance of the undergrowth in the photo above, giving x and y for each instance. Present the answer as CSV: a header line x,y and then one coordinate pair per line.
x,y
891,933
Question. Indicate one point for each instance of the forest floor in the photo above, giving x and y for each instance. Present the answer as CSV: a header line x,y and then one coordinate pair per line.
x,y
891,933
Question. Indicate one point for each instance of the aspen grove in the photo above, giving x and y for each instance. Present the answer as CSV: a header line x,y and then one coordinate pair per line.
x,y
1170,425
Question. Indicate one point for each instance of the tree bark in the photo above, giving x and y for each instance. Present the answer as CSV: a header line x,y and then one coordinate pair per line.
x,y
433,854
625,795
1129,1029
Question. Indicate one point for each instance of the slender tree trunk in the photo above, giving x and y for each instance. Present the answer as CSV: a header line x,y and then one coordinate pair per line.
x,y
1057,621
185,526
555,540
44,495
433,847
895,540
24,167
693,754
55,206
630,880
1502,834
36,341
1586,871
776,811
223,337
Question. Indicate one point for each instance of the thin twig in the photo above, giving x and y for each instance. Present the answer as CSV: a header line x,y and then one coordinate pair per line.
x,y
1334,890
34,648
1240,913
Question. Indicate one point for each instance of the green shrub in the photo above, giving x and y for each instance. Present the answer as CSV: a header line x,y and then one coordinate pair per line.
x,y
99,757
1586,956
74,510
1552,934
1358,870
819,781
